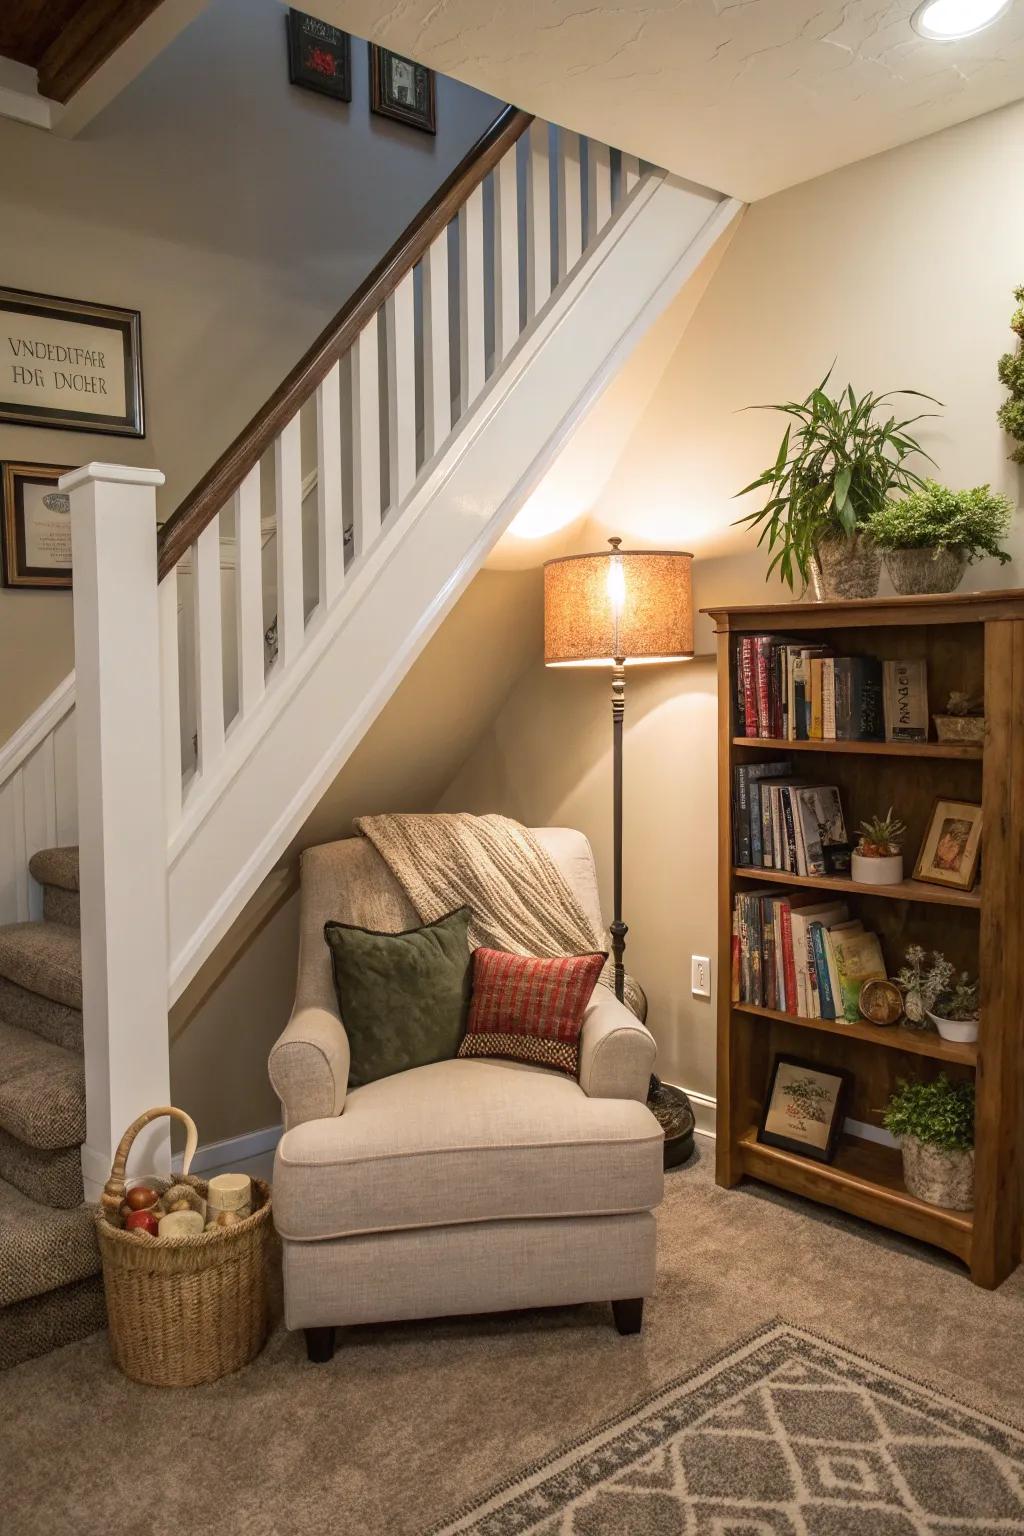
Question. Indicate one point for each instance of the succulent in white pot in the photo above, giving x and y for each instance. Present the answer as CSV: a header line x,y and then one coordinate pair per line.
x,y
955,1012
878,856
934,1125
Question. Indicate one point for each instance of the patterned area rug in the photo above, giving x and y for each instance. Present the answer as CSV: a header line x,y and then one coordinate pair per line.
x,y
786,1435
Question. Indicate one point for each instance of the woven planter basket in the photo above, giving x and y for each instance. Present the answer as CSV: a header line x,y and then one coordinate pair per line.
x,y
940,1178
182,1310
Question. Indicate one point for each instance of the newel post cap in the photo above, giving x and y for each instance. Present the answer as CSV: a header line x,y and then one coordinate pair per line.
x,y
113,474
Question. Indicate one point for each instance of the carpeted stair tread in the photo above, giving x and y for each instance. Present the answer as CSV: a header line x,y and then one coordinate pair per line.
x,y
35,1326
42,1091
44,958
55,866
50,1177
41,1249
41,1015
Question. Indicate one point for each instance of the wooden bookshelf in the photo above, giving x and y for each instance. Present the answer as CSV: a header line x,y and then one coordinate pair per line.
x,y
972,642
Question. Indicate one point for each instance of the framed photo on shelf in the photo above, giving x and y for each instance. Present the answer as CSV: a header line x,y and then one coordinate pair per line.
x,y
402,89
804,1108
70,364
36,526
952,845
319,56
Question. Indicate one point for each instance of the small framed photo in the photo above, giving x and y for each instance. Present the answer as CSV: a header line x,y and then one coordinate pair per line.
x,y
804,1109
70,364
402,89
319,56
952,845
36,526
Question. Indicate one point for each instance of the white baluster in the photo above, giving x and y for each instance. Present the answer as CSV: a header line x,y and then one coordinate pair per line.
x,y
20,851
570,202
630,173
65,764
437,384
330,511
40,813
471,298
288,479
400,331
366,438
170,696
249,594
209,646
538,219
599,187
506,255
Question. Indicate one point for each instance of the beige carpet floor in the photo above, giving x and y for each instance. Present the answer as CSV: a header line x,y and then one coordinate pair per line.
x,y
409,1422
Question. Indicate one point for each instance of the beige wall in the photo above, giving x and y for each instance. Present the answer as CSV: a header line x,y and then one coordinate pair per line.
x,y
236,212
902,268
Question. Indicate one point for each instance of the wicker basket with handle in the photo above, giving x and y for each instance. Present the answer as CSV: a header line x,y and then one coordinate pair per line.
x,y
182,1310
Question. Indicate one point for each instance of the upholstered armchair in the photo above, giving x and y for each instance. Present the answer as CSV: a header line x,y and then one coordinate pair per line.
x,y
467,1185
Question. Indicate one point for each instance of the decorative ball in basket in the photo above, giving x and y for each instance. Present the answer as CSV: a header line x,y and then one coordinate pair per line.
x,y
186,1298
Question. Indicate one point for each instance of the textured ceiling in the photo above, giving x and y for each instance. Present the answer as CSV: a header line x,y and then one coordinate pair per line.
x,y
746,96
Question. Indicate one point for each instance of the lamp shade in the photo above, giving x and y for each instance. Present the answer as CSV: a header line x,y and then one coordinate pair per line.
x,y
618,605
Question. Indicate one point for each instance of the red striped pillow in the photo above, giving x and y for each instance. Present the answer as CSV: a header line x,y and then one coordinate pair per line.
x,y
530,1010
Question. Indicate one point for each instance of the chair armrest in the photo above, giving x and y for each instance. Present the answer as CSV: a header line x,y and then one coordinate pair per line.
x,y
309,1065
617,1052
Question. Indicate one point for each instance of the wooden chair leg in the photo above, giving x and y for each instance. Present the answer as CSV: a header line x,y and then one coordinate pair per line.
x,y
629,1315
319,1345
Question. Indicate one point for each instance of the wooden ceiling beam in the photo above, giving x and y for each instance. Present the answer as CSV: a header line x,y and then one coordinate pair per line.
x,y
95,31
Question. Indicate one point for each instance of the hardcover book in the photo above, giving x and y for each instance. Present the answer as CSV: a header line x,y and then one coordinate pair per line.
x,y
905,700
820,813
858,958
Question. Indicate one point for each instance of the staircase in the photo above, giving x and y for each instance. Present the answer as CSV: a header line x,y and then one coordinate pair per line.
x,y
50,1288
350,514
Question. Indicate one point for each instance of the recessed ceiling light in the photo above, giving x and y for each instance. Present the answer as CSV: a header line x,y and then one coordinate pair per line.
x,y
945,21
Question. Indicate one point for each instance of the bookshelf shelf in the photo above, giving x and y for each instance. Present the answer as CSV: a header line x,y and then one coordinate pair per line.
x,y
956,751
866,1179
906,890
916,1042
969,642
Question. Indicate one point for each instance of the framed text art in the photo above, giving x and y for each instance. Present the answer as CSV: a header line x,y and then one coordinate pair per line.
x,y
36,526
319,56
66,363
402,89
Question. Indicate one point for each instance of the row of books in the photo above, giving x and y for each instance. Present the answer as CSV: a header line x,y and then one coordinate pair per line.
x,y
798,954
782,822
789,690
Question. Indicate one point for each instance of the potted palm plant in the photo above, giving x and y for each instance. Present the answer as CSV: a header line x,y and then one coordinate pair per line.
x,y
934,1125
878,856
930,537
838,463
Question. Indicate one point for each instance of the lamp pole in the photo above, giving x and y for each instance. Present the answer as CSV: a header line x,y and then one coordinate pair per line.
x,y
618,929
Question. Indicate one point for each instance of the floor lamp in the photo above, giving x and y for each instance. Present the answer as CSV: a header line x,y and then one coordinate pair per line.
x,y
619,608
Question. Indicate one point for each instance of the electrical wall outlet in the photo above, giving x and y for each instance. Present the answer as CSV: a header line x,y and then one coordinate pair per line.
x,y
700,975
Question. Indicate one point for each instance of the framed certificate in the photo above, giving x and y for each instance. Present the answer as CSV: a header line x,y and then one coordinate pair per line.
x,y
36,526
65,363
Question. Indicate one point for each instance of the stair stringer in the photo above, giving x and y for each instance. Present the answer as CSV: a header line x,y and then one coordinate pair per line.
x,y
313,715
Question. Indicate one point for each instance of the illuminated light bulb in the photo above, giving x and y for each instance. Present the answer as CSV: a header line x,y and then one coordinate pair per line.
x,y
945,21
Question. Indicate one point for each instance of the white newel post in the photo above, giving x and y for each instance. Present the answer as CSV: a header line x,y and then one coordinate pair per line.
x,y
121,813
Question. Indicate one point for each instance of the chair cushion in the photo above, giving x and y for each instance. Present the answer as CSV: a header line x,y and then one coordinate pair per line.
x,y
465,1141
524,1009
403,997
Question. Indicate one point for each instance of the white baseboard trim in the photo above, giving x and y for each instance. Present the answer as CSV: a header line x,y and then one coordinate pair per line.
x,y
704,1110
216,1156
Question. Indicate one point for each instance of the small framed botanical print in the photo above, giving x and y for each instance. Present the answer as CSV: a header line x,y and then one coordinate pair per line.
x,y
402,89
952,845
319,56
70,364
804,1109
36,526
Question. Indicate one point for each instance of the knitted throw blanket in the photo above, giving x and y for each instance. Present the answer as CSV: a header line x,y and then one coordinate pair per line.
x,y
519,899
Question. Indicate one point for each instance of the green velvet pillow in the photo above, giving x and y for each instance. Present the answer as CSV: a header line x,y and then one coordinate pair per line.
x,y
404,997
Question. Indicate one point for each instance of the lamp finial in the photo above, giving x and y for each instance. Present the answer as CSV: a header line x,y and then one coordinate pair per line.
x,y
615,542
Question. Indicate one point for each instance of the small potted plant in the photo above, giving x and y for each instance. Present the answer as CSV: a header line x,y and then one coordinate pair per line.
x,y
930,537
838,462
955,1012
934,1125
923,983
878,856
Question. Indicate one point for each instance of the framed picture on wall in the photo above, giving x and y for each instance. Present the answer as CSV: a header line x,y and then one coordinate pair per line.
x,y
36,526
804,1109
402,89
319,56
71,364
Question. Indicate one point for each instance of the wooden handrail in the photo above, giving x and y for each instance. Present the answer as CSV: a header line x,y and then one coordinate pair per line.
x,y
220,482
